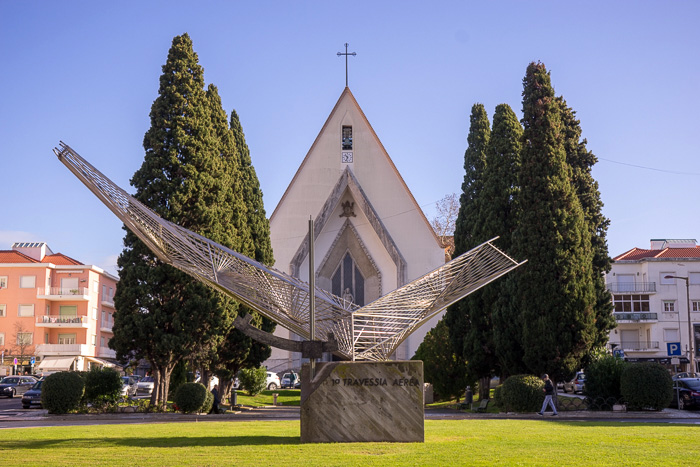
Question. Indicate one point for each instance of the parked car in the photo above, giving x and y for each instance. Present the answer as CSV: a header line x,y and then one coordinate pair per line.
x,y
145,386
290,380
578,384
10,386
273,381
686,393
33,396
128,386
685,375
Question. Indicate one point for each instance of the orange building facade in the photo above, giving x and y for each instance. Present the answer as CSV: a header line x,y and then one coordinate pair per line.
x,y
56,313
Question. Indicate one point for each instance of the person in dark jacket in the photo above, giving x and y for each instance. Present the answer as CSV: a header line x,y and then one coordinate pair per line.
x,y
548,393
217,399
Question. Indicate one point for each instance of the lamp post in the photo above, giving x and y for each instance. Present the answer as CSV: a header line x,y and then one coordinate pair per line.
x,y
690,324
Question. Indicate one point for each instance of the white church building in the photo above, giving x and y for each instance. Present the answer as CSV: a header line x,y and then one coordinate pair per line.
x,y
370,234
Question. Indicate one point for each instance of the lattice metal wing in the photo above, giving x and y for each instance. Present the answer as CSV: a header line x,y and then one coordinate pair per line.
x,y
372,332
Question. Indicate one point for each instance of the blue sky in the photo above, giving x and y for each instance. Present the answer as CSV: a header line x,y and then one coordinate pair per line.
x,y
87,73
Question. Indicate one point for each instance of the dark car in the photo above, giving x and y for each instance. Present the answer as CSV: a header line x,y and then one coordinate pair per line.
x,y
33,396
10,386
686,393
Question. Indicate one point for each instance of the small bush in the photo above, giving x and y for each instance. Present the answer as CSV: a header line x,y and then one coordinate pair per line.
x,y
253,380
103,386
190,397
646,386
208,403
603,379
61,392
520,393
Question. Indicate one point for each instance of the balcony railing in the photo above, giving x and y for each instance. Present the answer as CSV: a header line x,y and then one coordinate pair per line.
x,y
62,321
106,301
63,349
636,317
106,352
59,293
107,325
640,345
631,287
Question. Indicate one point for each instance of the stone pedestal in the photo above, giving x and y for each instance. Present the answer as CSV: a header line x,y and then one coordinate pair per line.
x,y
350,402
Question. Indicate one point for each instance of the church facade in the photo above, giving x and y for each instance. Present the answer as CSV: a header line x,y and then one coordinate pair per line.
x,y
370,235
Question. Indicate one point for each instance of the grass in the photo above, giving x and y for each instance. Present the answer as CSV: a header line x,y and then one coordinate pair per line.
x,y
447,442
284,397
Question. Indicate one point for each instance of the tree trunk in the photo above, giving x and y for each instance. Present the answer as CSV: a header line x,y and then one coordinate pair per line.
x,y
484,388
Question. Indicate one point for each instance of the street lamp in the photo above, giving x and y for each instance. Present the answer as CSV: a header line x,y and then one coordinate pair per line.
x,y
690,324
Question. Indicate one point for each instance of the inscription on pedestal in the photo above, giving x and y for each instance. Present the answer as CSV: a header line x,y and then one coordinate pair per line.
x,y
362,402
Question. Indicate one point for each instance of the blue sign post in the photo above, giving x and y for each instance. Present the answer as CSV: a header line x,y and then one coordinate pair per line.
x,y
674,349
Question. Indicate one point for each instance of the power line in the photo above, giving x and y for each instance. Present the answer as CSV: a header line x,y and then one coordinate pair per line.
x,y
675,172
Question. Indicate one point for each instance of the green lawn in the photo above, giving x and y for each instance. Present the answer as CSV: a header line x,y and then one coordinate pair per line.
x,y
284,397
453,442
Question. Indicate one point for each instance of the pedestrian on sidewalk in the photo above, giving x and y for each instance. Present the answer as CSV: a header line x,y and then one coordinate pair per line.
x,y
548,392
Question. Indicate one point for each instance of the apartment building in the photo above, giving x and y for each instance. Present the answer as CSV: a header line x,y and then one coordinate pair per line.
x,y
56,313
656,296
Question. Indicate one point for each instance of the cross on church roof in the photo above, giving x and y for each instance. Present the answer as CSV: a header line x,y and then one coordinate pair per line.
x,y
346,61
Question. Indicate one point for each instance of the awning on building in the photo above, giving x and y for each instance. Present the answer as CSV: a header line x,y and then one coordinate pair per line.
x,y
102,362
56,364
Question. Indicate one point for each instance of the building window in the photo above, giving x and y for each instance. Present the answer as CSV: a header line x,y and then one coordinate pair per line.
x,y
347,281
94,314
95,286
694,278
94,339
46,338
3,309
669,305
696,305
66,338
27,282
3,282
629,303
68,310
347,138
2,338
102,341
25,338
25,310
671,335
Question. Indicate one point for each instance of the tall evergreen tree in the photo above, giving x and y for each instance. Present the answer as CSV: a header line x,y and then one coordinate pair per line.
x,y
163,314
555,288
501,336
581,161
465,317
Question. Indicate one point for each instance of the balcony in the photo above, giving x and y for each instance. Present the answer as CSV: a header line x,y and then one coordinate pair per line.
x,y
106,325
640,346
62,321
106,352
631,287
63,349
107,302
59,294
626,317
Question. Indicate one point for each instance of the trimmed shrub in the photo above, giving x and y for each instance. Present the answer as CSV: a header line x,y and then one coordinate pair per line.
x,y
646,386
253,380
190,397
61,392
520,393
102,386
208,403
603,380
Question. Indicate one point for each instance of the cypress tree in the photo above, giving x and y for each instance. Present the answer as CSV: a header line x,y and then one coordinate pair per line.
x,y
555,288
163,314
581,161
501,336
465,317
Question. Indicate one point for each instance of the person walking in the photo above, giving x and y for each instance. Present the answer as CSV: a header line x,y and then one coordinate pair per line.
x,y
548,392
217,399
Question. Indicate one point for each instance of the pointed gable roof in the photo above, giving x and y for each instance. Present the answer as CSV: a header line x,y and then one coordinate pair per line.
x,y
11,256
347,95
59,259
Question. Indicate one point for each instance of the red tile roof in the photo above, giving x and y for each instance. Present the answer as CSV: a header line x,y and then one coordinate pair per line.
x,y
636,254
11,256
60,259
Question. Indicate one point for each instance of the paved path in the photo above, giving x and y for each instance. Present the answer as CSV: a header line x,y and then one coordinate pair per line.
x,y
39,418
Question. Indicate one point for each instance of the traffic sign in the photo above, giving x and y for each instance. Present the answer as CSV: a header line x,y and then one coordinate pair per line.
x,y
674,348
32,361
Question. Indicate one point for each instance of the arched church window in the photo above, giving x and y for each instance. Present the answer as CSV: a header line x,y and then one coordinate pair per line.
x,y
348,282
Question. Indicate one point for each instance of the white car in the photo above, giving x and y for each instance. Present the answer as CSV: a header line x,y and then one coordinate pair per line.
x,y
145,386
128,386
273,381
